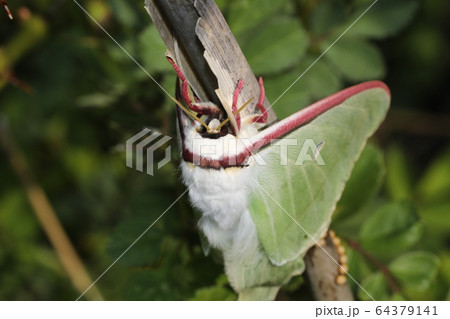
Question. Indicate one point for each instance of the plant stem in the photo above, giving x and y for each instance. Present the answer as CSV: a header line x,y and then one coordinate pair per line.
x,y
32,30
47,217
384,270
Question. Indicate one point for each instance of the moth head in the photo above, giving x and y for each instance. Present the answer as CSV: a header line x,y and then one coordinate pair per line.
x,y
214,128
216,123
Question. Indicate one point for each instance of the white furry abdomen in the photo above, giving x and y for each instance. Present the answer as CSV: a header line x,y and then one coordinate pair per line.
x,y
221,197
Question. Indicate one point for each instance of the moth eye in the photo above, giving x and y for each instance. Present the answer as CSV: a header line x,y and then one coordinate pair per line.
x,y
223,131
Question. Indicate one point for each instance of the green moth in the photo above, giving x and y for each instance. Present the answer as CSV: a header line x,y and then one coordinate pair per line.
x,y
261,204
265,190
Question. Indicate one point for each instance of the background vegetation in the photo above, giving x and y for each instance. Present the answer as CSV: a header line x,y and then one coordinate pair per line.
x,y
70,97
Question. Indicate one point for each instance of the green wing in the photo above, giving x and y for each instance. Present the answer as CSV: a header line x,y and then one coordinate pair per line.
x,y
291,204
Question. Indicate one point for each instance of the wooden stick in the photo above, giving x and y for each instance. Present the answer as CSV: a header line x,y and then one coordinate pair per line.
x,y
200,41
322,272
176,21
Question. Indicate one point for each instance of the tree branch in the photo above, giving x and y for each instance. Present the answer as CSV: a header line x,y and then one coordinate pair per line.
x,y
322,272
197,35
384,270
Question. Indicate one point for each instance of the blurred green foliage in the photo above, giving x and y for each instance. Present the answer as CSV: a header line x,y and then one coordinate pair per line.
x,y
71,97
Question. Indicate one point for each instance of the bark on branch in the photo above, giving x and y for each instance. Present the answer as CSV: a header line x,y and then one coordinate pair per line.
x,y
322,272
196,33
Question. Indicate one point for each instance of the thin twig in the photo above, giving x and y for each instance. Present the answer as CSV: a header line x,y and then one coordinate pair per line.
x,y
425,124
384,270
47,217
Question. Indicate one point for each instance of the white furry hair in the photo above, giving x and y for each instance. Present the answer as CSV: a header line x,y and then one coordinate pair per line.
x,y
221,197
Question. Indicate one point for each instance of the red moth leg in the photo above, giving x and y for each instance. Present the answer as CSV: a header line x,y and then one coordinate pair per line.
x,y
206,108
262,96
202,108
234,105
184,83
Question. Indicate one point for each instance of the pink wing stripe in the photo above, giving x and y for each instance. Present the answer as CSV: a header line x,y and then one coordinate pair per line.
x,y
309,113
279,129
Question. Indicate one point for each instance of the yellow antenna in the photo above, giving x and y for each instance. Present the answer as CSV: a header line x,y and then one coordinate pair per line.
x,y
190,113
228,118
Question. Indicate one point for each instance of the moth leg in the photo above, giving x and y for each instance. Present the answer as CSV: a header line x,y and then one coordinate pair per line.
x,y
184,83
341,278
206,108
202,108
262,96
236,93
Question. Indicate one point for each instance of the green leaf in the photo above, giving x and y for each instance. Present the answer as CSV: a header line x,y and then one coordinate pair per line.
x,y
275,46
364,182
147,203
82,164
309,192
385,18
357,60
415,270
445,268
436,217
325,16
146,251
99,10
97,99
151,49
398,183
155,284
169,84
358,266
319,80
124,12
434,186
376,285
214,293
393,228
16,220
398,297
290,101
294,284
243,16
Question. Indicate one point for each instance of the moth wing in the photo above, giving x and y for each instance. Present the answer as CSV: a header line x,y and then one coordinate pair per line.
x,y
292,204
